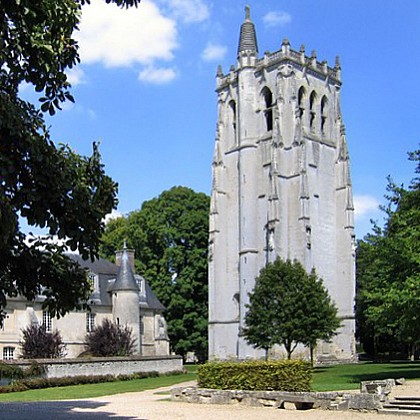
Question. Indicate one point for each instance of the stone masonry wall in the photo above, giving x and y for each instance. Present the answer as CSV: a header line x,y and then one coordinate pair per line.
x,y
277,399
107,366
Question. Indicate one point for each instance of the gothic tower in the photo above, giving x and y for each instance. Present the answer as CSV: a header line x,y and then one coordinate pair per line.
x,y
281,187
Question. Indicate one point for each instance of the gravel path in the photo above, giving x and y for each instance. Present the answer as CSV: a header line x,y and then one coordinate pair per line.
x,y
153,405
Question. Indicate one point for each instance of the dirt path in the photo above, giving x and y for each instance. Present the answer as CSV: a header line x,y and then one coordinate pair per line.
x,y
153,405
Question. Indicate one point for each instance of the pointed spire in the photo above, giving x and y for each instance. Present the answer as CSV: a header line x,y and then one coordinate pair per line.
x,y
248,36
125,277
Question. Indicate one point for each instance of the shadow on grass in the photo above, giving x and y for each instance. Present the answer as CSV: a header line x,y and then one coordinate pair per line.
x,y
57,410
407,370
332,378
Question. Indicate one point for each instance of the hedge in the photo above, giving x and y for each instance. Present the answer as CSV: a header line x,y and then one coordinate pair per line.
x,y
38,383
278,375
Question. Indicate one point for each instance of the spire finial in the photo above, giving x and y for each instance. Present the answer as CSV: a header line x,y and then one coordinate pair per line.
x,y
247,13
247,37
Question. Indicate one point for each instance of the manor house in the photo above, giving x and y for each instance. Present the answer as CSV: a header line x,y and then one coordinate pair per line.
x,y
281,187
117,294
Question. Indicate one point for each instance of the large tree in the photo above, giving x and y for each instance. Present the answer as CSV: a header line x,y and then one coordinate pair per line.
x,y
170,237
288,306
388,274
48,185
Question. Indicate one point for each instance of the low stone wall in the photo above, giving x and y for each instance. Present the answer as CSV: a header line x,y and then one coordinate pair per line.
x,y
59,368
277,399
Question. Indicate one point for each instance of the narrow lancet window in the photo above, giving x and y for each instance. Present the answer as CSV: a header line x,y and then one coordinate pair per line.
x,y
268,112
324,114
301,101
312,113
232,107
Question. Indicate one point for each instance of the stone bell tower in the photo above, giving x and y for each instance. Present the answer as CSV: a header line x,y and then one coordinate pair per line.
x,y
281,187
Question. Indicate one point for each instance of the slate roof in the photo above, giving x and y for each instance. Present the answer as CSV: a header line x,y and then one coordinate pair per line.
x,y
125,276
107,274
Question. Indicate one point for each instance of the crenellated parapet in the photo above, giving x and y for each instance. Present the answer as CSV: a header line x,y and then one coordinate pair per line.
x,y
286,55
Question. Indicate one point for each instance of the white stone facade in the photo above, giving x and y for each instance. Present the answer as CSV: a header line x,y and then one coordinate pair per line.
x,y
281,187
133,305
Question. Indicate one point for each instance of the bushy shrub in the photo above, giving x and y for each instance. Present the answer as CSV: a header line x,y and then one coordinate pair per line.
x,y
37,343
282,375
110,339
10,371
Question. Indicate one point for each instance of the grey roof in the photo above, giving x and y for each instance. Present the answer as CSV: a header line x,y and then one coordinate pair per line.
x,y
99,265
248,35
107,273
150,301
125,276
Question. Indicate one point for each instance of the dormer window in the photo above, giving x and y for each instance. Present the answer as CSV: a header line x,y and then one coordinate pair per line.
x,y
93,281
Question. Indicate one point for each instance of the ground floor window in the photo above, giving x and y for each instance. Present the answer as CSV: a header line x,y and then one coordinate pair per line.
x,y
8,353
90,322
47,321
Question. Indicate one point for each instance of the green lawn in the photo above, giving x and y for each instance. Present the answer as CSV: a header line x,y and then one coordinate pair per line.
x,y
346,377
332,378
96,390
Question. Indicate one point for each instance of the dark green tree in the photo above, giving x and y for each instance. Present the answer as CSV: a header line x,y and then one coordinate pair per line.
x,y
110,339
288,306
48,185
37,343
170,237
388,274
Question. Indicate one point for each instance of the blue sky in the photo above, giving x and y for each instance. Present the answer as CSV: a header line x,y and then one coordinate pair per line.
x,y
145,87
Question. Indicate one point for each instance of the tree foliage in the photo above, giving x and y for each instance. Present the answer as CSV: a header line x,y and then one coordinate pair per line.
x,y
288,306
388,274
37,343
170,237
48,185
110,339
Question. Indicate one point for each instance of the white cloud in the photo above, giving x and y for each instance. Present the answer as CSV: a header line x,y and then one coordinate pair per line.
x,y
157,76
189,11
115,214
214,52
365,205
277,18
76,76
120,37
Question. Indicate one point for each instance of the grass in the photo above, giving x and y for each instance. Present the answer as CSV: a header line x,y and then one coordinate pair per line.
x,y
331,378
96,390
346,377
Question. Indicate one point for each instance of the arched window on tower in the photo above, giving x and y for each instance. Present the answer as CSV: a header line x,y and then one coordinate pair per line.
x,y
324,114
232,119
268,111
301,101
312,113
